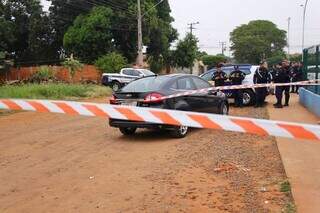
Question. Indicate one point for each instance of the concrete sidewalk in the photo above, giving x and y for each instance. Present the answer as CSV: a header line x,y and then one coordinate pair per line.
x,y
301,159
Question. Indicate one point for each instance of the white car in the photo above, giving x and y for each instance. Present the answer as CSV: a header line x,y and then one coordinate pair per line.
x,y
117,81
249,96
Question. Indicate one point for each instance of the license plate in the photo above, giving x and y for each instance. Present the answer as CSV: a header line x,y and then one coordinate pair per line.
x,y
133,103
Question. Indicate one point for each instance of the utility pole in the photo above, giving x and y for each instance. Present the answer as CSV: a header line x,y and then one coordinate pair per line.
x,y
223,47
191,26
288,38
140,45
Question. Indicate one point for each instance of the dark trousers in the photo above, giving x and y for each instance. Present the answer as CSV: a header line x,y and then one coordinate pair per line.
x,y
295,88
261,94
279,94
238,98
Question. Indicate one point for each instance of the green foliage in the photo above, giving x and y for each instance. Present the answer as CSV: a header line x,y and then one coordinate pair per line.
x,y
186,51
44,73
212,60
295,57
276,58
72,65
290,208
90,36
54,91
25,30
111,63
285,187
256,41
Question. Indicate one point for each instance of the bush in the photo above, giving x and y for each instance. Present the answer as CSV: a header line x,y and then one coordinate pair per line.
x,y
111,63
73,66
44,73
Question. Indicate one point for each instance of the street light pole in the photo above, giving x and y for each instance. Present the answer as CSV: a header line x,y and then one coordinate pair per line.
x,y
288,39
304,23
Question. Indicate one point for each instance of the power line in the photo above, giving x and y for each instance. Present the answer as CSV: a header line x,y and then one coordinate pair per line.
x,y
191,26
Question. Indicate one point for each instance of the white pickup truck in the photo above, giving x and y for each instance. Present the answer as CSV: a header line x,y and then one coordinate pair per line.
x,y
117,81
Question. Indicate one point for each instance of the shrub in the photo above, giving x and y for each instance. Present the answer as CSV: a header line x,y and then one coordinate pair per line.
x,y
44,73
112,63
73,66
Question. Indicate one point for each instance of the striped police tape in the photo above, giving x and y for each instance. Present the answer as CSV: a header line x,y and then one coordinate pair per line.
x,y
236,87
170,117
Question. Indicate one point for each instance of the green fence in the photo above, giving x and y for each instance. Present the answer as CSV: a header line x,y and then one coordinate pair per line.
x,y
311,60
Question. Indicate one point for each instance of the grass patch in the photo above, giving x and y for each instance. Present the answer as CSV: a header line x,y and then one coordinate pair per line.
x,y
290,208
285,187
54,91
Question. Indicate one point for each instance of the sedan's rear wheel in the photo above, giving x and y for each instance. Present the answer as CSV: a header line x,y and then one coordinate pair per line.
x,y
128,130
180,132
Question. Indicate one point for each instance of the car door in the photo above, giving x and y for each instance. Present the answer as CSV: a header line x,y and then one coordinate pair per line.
x,y
208,101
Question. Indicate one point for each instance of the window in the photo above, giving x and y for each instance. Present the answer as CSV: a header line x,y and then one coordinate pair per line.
x,y
201,84
208,76
149,84
128,72
186,84
135,73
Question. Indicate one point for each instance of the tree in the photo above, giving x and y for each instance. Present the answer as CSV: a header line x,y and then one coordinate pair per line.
x,y
212,60
257,40
186,51
90,36
112,63
24,30
158,32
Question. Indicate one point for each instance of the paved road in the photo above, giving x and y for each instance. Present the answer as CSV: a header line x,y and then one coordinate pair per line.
x,y
57,163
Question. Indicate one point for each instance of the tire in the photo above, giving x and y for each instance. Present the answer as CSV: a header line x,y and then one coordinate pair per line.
x,y
128,131
224,109
249,97
116,86
180,132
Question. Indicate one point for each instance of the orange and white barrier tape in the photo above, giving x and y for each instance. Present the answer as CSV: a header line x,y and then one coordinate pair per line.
x,y
170,117
236,87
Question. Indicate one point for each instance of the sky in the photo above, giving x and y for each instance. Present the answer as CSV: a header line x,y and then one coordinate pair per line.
x,y
218,18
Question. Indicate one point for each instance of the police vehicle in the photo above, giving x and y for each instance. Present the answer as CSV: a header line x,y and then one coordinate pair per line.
x,y
249,96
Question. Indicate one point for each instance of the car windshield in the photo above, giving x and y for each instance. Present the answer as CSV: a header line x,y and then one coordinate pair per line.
x,y
149,84
147,72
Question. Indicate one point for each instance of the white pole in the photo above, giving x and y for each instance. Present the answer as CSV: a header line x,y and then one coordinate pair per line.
x,y
288,39
140,45
304,23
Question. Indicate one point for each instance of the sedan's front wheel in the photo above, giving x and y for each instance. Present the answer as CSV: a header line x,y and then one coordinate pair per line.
x,y
224,109
180,132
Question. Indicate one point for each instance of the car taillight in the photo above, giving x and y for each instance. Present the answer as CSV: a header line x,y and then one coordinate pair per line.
x,y
113,100
153,98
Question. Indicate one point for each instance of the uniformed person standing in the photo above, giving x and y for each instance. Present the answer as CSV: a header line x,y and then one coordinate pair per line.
x,y
282,75
236,77
219,77
261,76
296,75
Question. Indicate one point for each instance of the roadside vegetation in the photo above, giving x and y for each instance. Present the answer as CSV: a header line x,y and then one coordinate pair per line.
x,y
54,91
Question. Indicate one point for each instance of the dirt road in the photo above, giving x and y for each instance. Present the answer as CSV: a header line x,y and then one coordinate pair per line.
x,y
57,163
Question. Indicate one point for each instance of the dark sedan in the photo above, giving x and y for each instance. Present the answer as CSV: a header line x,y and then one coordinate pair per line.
x,y
146,92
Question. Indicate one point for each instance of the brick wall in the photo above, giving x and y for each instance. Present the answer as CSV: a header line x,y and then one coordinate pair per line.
x,y
88,72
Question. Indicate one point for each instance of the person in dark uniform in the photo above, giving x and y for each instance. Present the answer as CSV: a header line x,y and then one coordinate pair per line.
x,y
219,77
296,75
261,76
282,75
236,78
